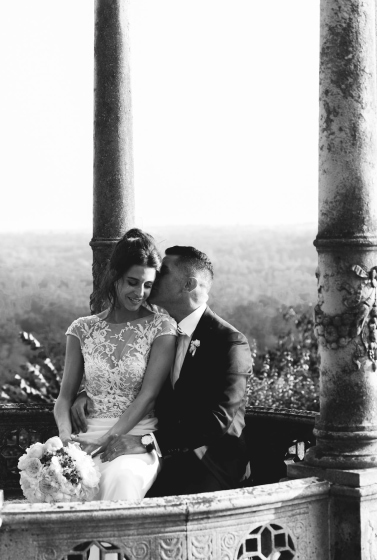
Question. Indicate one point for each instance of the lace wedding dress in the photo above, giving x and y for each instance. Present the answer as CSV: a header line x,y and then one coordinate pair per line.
x,y
115,360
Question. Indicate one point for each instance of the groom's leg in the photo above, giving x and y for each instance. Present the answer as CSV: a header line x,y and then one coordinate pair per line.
x,y
184,474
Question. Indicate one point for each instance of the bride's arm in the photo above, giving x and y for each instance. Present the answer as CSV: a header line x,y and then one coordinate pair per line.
x,y
72,376
159,365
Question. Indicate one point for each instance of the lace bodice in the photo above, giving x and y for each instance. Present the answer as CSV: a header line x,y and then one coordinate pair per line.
x,y
116,357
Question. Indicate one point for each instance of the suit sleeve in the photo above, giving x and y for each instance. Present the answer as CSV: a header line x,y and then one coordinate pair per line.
x,y
213,419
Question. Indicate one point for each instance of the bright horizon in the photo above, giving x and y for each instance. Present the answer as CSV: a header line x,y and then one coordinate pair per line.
x,y
225,113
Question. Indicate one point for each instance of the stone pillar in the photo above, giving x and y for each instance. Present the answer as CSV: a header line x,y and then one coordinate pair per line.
x,y
346,314
113,193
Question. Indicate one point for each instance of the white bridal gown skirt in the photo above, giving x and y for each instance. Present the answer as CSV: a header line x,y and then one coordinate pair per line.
x,y
128,477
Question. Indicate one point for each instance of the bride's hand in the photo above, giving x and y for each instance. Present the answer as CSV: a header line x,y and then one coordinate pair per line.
x,y
117,445
89,445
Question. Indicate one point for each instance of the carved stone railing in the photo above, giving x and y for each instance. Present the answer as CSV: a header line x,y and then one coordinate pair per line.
x,y
274,437
287,520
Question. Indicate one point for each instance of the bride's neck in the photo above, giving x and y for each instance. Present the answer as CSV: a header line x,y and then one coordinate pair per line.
x,y
122,315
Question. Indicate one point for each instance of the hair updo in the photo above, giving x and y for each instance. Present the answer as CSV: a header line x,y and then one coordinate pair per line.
x,y
135,248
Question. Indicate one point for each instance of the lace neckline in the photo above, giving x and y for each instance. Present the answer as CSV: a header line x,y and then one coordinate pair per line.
x,y
127,322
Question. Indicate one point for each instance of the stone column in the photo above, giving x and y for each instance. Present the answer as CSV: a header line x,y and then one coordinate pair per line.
x,y
113,192
346,314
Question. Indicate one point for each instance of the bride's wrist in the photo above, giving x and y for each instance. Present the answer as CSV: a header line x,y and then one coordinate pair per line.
x,y
65,435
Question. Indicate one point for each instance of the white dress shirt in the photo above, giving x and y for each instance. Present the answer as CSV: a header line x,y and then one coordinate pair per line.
x,y
186,327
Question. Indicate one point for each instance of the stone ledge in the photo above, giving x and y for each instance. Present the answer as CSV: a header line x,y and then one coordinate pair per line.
x,y
353,478
214,526
21,512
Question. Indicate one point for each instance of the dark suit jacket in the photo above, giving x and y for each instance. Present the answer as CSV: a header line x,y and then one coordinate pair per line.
x,y
207,405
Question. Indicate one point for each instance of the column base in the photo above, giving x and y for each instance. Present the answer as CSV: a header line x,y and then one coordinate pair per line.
x,y
353,514
352,510
330,457
352,478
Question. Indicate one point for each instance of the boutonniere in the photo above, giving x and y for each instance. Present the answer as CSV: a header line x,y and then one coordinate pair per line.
x,y
194,344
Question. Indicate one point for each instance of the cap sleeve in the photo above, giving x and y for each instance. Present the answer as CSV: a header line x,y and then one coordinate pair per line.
x,y
167,325
75,329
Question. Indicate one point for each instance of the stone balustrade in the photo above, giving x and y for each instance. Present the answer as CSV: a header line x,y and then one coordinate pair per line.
x,y
255,522
284,521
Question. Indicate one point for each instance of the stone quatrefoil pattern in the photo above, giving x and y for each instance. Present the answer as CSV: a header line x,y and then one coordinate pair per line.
x,y
167,548
96,550
266,542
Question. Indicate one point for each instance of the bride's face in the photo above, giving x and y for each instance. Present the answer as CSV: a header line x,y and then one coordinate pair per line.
x,y
135,286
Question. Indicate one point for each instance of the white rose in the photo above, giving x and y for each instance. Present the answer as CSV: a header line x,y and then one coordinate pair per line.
x,y
70,489
53,444
36,450
22,462
91,477
28,482
33,467
32,493
33,497
24,482
47,486
74,451
49,482
89,472
55,464
58,496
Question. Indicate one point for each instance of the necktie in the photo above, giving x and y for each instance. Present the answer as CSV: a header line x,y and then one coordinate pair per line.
x,y
182,344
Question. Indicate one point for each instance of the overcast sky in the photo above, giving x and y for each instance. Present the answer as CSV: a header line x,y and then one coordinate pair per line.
x,y
225,105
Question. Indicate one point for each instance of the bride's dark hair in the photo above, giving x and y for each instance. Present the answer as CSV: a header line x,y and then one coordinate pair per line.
x,y
136,247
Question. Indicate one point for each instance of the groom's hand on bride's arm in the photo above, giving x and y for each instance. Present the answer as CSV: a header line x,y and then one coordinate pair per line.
x,y
120,445
79,411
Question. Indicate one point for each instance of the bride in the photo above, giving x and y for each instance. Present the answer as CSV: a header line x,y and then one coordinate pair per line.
x,y
124,355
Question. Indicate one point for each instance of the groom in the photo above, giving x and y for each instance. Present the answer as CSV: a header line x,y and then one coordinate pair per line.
x,y
202,404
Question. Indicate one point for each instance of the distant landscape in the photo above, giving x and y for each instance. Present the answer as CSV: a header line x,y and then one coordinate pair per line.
x,y
264,281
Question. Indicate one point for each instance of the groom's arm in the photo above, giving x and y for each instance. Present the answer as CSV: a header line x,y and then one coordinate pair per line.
x,y
79,412
203,426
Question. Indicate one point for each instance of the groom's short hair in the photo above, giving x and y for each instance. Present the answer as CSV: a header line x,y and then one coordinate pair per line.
x,y
194,261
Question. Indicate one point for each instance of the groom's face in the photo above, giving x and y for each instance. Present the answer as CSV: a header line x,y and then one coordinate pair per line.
x,y
168,288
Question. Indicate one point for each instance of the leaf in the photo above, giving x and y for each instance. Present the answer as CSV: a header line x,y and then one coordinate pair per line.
x,y
360,271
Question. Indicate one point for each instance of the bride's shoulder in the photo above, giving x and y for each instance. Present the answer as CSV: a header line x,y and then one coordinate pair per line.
x,y
155,309
84,322
161,315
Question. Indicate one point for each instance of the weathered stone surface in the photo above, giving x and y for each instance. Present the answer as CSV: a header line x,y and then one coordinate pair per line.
x,y
213,526
303,470
113,188
353,514
347,143
113,160
352,478
346,314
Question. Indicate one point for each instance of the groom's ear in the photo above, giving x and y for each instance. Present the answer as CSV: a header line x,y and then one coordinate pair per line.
x,y
190,284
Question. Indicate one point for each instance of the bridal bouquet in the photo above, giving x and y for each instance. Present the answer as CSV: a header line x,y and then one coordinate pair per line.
x,y
53,473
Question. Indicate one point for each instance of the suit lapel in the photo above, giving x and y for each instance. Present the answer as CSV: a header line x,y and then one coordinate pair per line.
x,y
201,333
